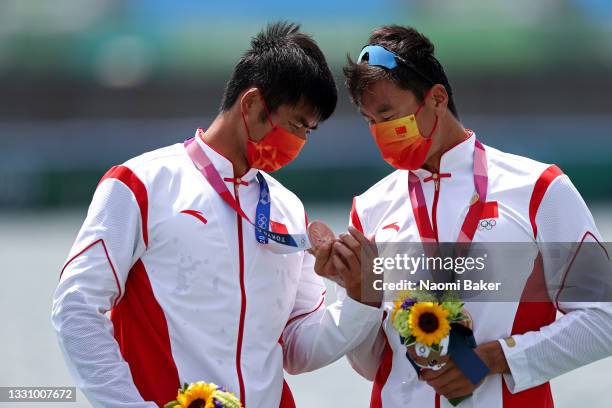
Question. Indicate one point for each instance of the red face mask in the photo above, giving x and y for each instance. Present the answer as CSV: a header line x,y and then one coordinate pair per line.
x,y
401,143
278,147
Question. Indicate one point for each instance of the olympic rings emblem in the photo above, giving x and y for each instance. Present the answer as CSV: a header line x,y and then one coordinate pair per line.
x,y
486,224
262,221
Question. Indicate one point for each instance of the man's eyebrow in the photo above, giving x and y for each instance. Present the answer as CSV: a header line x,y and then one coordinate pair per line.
x,y
383,108
302,120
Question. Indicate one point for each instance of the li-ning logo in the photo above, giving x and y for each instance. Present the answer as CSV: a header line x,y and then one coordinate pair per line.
x,y
486,224
197,214
400,130
392,226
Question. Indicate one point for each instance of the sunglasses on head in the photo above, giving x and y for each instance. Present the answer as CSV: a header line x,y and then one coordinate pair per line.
x,y
380,56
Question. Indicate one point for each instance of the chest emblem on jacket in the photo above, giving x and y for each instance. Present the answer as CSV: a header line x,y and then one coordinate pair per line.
x,y
197,214
489,216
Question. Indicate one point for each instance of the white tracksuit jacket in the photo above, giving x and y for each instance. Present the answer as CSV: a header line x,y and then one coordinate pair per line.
x,y
190,293
536,204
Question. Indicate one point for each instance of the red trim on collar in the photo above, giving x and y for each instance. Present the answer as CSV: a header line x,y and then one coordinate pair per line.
x,y
236,180
440,175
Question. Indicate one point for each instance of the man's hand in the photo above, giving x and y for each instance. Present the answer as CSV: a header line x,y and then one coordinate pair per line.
x,y
352,257
492,354
450,382
324,266
348,254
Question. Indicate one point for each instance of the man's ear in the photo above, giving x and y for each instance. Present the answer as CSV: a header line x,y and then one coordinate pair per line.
x,y
249,101
439,98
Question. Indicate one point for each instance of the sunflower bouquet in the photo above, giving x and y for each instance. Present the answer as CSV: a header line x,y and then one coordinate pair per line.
x,y
204,395
425,323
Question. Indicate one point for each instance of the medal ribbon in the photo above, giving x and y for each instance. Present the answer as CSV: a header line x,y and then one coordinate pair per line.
x,y
292,242
470,223
462,342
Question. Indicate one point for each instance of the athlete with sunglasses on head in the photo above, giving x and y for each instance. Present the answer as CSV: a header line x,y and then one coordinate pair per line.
x,y
445,184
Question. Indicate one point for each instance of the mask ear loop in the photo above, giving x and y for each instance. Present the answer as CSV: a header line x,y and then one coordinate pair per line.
x,y
434,127
435,123
263,101
246,127
423,104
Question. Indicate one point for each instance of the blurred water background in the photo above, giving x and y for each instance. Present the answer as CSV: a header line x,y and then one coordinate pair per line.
x,y
86,84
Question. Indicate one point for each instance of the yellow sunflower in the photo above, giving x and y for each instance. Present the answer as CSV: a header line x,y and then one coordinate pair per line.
x,y
199,393
429,322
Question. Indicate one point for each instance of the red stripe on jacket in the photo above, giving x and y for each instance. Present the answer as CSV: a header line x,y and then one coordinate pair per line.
x,y
384,370
530,315
110,263
127,177
539,189
355,218
141,329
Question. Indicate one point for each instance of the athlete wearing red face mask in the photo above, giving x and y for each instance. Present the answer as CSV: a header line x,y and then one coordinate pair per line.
x,y
449,188
179,246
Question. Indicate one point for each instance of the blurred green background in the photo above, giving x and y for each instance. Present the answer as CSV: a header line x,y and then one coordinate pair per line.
x,y
86,84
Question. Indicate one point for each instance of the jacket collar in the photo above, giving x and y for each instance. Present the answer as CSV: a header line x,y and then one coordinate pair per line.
x,y
222,164
459,158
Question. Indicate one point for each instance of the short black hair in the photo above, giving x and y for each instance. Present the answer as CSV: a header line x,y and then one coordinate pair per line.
x,y
288,67
410,45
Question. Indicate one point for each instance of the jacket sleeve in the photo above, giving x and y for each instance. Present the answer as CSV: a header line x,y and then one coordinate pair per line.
x,y
316,335
366,357
584,333
91,283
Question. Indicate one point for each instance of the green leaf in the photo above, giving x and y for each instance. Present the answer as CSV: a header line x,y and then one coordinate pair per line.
x,y
456,401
